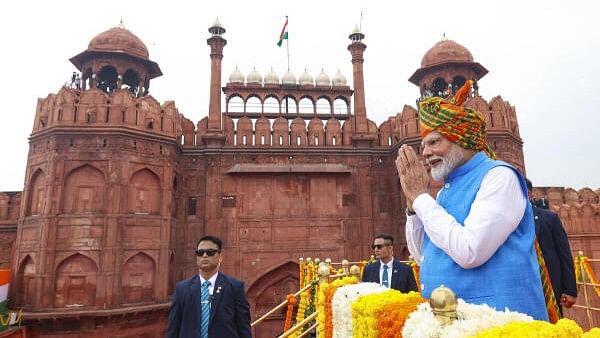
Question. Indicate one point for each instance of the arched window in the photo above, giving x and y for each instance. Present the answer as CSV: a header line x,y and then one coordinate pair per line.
x,y
36,192
306,106
458,82
137,283
253,105
340,106
75,282
235,105
131,81
107,79
83,191
144,193
288,106
439,87
323,106
271,105
26,282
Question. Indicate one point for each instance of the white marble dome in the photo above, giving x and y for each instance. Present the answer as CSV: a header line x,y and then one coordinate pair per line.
x,y
288,78
236,76
254,77
338,79
306,79
323,79
271,77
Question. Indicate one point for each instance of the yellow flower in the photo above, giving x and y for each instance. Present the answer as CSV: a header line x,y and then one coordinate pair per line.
x,y
562,329
593,333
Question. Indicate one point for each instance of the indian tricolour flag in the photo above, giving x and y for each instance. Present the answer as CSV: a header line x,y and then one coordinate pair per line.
x,y
4,281
284,32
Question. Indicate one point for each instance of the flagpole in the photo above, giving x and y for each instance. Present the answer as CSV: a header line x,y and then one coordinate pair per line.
x,y
288,42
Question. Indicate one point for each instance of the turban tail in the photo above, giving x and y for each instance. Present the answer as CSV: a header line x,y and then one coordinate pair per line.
x,y
461,125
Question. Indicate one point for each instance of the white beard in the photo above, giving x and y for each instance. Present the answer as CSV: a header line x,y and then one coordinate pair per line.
x,y
449,162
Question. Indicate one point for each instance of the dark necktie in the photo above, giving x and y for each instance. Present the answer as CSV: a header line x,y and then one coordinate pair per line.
x,y
204,309
384,278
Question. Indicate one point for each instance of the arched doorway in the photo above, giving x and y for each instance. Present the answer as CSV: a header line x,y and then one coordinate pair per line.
x,y
269,290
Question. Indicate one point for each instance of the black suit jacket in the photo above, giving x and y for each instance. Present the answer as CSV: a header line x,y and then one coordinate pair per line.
x,y
229,311
403,279
556,251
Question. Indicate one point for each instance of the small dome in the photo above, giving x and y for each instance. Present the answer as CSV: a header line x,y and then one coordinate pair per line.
x,y
254,77
119,39
338,79
236,76
306,79
288,78
323,79
217,24
446,51
271,77
216,29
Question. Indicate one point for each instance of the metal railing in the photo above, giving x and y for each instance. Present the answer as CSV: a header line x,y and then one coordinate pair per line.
x,y
585,282
323,275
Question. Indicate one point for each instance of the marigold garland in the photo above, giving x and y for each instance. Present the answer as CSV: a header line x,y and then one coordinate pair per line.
x,y
593,333
301,275
291,301
382,315
326,292
341,306
474,318
537,328
306,298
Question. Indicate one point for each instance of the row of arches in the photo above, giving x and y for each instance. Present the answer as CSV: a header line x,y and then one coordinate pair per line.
x,y
76,279
84,191
288,105
108,80
440,87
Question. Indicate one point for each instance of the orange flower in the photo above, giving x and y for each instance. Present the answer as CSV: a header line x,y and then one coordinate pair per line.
x,y
291,299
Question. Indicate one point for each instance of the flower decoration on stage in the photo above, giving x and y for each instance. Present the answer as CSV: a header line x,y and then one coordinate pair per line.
x,y
472,318
342,306
325,317
383,314
534,329
593,333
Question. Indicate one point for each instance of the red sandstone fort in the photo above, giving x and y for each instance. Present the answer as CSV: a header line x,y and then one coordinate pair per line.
x,y
119,187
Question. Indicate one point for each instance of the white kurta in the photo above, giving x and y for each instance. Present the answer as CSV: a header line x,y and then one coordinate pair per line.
x,y
495,213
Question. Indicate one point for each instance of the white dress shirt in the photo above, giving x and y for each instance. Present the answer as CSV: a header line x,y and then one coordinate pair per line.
x,y
390,267
495,213
212,280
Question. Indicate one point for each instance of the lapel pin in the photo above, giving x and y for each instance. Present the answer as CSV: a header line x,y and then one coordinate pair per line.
x,y
219,289
395,271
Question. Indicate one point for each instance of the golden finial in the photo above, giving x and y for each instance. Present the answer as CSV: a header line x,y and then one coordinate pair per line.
x,y
443,304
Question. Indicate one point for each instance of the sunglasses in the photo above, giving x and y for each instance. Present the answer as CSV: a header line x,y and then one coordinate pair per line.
x,y
378,246
208,252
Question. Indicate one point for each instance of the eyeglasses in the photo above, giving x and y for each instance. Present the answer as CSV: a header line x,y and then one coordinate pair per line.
x,y
378,246
208,252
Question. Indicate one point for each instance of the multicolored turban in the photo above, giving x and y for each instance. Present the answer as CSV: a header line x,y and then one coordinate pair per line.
x,y
461,125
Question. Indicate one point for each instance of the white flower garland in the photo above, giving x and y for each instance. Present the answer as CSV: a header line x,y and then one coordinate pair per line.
x,y
341,306
473,318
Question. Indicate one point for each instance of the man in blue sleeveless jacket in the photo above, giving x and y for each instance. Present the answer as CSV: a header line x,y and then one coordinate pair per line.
x,y
477,237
